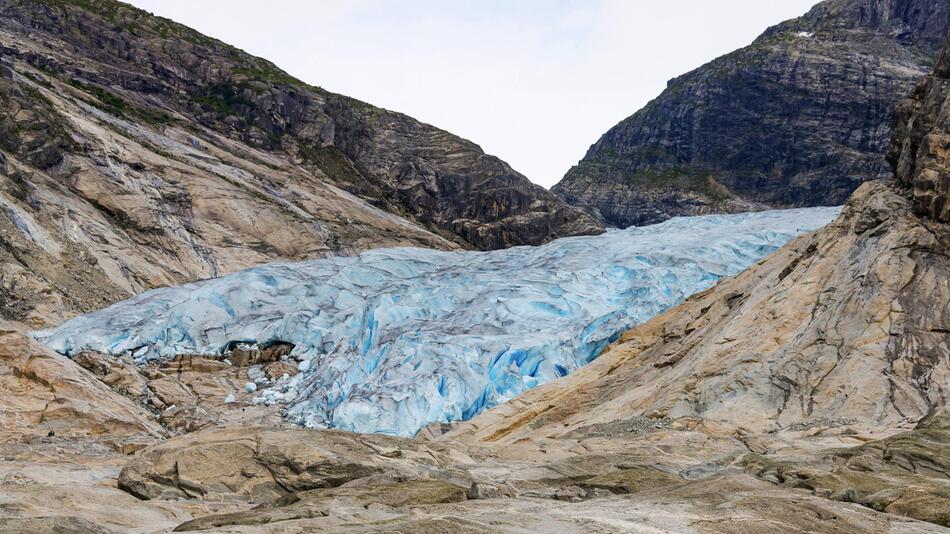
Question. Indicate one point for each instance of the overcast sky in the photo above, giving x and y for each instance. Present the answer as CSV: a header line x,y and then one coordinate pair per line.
x,y
535,82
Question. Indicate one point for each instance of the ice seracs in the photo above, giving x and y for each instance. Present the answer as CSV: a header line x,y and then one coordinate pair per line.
x,y
393,339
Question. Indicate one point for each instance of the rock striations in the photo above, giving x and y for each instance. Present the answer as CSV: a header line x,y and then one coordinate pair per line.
x,y
798,118
136,153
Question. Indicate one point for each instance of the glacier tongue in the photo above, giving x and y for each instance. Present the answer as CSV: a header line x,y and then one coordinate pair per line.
x,y
393,339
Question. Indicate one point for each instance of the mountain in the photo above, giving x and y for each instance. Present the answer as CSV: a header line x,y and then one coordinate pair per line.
x,y
136,153
800,117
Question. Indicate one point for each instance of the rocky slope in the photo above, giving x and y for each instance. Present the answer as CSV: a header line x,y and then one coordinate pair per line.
x,y
920,153
137,153
799,118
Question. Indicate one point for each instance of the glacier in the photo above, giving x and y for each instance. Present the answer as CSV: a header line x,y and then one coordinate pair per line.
x,y
393,339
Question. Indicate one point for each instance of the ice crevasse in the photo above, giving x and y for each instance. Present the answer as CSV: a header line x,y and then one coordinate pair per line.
x,y
393,339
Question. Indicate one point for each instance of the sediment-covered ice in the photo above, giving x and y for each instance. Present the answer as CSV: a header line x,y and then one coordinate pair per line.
x,y
393,339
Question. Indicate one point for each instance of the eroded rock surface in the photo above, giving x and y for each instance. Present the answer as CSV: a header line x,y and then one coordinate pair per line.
x,y
267,463
920,153
42,392
906,474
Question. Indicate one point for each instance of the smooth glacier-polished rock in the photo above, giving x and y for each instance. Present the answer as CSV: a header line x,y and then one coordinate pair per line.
x,y
393,339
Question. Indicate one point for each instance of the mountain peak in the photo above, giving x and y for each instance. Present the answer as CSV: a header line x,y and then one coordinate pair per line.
x,y
798,118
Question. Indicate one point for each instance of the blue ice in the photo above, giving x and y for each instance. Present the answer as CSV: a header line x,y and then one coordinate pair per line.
x,y
393,339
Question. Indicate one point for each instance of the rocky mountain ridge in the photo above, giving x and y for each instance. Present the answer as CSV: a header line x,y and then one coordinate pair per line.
x,y
798,118
136,153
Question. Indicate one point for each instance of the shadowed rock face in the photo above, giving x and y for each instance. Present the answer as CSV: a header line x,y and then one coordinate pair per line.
x,y
136,153
799,118
920,153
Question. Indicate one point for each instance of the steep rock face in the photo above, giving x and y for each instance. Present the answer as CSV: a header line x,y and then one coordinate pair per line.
x,y
136,153
798,118
920,153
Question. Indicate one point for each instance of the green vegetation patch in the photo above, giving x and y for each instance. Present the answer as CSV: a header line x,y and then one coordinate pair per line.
x,y
225,99
106,9
117,106
333,163
267,73
687,178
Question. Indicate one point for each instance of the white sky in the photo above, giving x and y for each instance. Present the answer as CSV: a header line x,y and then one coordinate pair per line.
x,y
535,82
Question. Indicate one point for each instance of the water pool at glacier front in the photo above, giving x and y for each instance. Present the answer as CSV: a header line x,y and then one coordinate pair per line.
x,y
393,339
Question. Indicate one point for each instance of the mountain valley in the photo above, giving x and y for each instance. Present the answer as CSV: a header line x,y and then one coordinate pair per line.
x,y
234,302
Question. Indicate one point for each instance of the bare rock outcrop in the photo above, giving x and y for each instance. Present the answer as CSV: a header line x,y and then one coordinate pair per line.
x,y
686,477
265,464
920,153
43,393
906,474
50,525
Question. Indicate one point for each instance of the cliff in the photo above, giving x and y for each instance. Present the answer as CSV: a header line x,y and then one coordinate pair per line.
x,y
800,117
